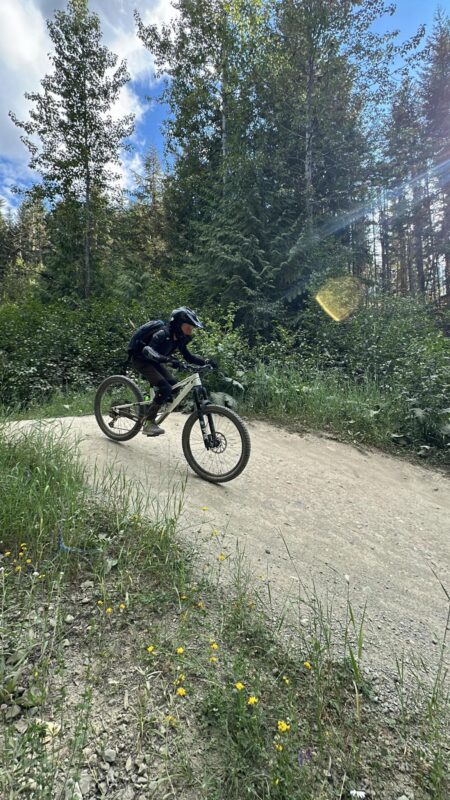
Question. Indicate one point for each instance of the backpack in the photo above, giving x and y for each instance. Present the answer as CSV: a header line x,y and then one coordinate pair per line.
x,y
142,336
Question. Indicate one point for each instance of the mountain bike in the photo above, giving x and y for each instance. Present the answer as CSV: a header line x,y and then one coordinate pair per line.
x,y
215,441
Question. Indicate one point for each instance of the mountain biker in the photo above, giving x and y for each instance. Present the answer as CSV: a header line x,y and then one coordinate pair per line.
x,y
152,346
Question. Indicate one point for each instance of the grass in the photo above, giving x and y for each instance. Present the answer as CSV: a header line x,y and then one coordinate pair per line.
x,y
128,667
60,404
359,413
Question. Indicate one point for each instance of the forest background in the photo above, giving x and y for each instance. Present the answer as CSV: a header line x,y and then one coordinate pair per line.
x,y
300,145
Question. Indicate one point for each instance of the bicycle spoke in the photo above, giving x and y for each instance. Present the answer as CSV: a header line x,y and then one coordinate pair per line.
x,y
118,408
225,456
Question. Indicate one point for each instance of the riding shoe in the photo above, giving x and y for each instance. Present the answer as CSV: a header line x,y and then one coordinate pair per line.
x,y
150,428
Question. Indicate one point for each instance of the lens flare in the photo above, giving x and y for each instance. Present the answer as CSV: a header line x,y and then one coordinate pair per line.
x,y
340,297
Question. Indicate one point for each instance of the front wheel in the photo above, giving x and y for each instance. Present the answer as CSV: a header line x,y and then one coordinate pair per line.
x,y
220,452
118,409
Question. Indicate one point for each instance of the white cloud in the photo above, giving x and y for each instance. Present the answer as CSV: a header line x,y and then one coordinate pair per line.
x,y
132,166
23,60
13,173
24,44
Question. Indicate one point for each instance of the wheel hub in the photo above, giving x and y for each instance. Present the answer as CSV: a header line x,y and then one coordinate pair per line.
x,y
217,443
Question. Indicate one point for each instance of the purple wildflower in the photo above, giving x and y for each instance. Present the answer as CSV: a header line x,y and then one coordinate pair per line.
x,y
304,755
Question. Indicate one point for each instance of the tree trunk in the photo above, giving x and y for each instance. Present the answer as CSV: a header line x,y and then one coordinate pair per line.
x,y
87,239
87,203
385,254
309,142
446,239
418,226
223,72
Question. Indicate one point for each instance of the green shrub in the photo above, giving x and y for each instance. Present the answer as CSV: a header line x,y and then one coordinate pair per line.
x,y
394,351
49,347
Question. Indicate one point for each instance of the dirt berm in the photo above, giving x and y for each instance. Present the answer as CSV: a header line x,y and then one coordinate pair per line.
x,y
338,510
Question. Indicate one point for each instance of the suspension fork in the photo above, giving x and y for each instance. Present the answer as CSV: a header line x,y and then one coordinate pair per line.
x,y
201,403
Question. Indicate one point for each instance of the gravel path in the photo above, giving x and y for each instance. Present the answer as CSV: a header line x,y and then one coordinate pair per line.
x,y
340,511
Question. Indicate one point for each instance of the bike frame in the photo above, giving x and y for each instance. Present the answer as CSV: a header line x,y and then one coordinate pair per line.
x,y
192,382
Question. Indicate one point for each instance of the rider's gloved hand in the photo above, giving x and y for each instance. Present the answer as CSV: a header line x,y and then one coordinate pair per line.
x,y
173,362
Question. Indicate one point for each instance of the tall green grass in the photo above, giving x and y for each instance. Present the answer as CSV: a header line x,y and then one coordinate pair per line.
x,y
219,705
357,412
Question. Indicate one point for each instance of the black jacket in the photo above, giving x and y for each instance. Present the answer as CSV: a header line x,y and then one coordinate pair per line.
x,y
160,346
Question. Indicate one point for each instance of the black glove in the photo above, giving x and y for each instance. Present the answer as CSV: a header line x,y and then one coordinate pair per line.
x,y
211,363
175,363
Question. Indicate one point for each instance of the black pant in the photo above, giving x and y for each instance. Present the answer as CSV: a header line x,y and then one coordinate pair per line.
x,y
157,376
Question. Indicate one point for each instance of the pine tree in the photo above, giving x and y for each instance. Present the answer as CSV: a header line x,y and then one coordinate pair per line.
x,y
436,102
31,234
138,233
7,252
406,160
215,212
77,137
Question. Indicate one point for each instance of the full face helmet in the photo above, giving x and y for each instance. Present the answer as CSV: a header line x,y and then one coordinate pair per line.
x,y
184,314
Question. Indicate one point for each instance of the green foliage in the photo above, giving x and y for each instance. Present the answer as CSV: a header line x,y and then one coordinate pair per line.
x,y
48,347
385,373
71,135
381,377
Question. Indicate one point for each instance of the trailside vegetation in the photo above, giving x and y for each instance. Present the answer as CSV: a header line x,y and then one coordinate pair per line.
x,y
301,145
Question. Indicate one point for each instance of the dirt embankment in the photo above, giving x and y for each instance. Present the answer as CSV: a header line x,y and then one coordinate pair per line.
x,y
317,510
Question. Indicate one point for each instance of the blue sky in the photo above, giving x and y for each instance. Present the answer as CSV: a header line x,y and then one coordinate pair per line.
x,y
24,44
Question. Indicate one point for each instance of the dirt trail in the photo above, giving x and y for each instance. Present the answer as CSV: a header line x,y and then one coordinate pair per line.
x,y
341,511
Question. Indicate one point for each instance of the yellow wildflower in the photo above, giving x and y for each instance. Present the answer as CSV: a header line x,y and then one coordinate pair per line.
x,y
151,648
283,726
214,532
21,555
109,610
286,680
183,597
8,553
252,700
181,692
24,545
307,665
200,604
204,508
122,606
180,650
221,557
18,568
239,686
278,746
170,720
214,645
213,660
28,560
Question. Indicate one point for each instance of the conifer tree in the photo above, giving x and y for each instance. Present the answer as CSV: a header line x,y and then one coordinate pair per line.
x,y
436,103
71,135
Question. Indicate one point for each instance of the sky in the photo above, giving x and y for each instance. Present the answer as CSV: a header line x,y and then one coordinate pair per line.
x,y
24,44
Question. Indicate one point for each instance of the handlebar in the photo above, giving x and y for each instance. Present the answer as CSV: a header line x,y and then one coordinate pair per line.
x,y
195,367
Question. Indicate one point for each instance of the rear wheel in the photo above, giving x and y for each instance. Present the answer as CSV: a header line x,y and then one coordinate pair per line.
x,y
118,409
224,452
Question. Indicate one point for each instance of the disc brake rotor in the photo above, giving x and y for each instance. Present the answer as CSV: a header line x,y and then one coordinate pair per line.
x,y
219,443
